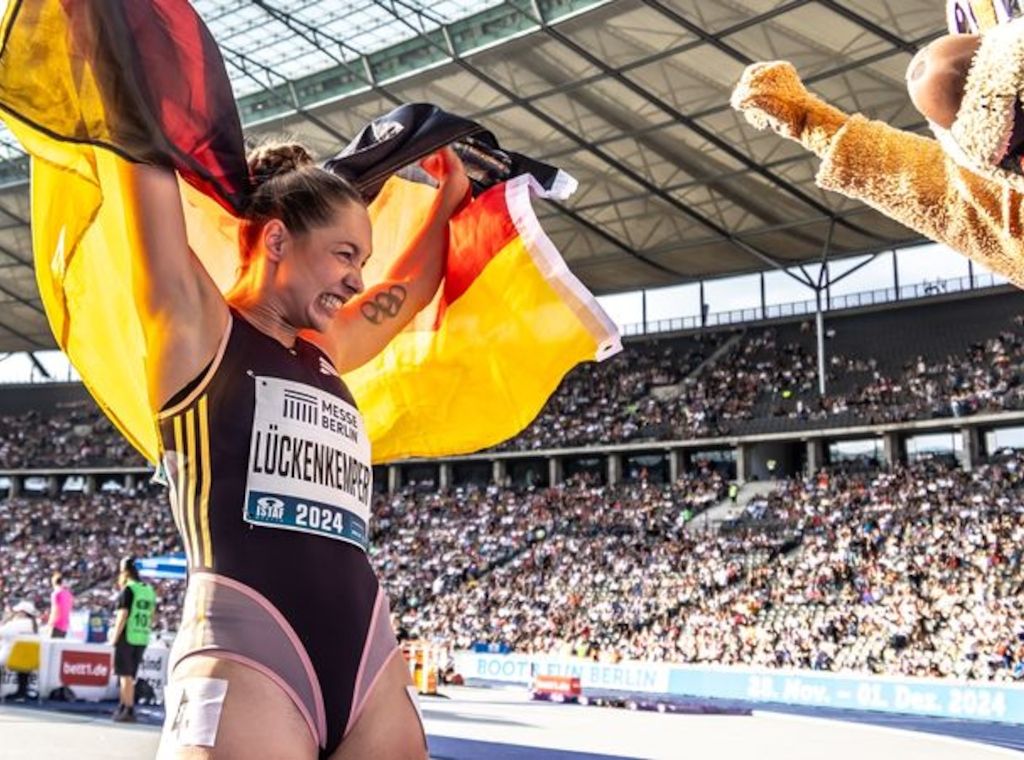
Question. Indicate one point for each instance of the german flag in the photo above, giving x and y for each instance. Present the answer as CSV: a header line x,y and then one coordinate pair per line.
x,y
509,321
88,85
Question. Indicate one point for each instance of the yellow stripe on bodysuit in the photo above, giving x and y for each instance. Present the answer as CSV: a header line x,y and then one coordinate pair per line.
x,y
181,463
190,493
204,496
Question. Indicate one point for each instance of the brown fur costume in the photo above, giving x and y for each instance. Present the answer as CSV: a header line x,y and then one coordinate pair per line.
x,y
951,189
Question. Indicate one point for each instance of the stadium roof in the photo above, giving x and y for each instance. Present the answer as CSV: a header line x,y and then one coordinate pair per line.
x,y
629,96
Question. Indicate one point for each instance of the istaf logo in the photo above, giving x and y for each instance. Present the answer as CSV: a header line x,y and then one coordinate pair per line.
x,y
84,668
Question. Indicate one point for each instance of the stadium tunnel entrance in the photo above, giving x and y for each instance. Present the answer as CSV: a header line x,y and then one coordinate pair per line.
x,y
771,460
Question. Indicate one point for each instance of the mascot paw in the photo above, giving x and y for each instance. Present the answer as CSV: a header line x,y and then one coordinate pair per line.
x,y
771,95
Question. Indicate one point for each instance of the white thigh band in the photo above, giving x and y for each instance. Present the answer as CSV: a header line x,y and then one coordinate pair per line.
x,y
193,707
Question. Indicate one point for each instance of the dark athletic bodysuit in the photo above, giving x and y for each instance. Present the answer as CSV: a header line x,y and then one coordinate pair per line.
x,y
270,479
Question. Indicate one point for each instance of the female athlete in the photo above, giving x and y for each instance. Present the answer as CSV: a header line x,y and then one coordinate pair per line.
x,y
286,648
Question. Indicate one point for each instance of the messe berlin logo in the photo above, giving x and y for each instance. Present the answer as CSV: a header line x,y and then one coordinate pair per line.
x,y
84,668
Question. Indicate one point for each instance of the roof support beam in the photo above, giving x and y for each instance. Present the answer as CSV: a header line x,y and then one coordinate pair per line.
x,y
243,63
819,316
392,7
671,111
317,38
587,81
607,236
672,152
692,123
22,336
819,77
23,301
826,250
659,148
23,263
39,365
869,26
833,280
662,55
759,231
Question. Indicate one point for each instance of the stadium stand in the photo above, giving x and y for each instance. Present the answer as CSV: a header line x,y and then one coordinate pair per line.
x,y
924,361
916,571
85,537
910,570
920,362
611,402
74,434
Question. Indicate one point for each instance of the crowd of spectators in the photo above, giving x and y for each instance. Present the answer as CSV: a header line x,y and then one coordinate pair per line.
x,y
913,571
987,377
756,376
591,593
427,546
609,402
730,391
711,384
83,536
69,435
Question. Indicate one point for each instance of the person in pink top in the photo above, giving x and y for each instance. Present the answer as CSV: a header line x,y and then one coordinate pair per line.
x,y
61,602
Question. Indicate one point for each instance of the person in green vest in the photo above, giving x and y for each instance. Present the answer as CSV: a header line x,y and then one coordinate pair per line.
x,y
734,491
135,608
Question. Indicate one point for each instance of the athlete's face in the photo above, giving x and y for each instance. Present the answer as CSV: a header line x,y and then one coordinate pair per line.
x,y
322,269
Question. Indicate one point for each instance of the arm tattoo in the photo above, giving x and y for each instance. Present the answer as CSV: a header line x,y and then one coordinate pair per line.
x,y
385,305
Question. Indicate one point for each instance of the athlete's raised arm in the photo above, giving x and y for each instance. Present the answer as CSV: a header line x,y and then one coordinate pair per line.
x,y
182,312
367,323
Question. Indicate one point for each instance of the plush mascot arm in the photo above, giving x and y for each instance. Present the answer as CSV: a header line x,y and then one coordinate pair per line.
x,y
907,177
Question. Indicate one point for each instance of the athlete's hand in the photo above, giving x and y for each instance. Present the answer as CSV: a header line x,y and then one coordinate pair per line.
x,y
453,184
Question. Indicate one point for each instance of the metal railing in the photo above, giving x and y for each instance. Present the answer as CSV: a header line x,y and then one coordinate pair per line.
x,y
809,307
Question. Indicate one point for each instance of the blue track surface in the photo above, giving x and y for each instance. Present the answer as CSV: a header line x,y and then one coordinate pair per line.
x,y
445,748
998,734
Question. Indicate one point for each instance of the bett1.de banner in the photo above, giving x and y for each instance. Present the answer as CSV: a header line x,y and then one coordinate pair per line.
x,y
87,669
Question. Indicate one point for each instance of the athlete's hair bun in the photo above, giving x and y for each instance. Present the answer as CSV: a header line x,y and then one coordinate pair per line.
x,y
288,186
274,159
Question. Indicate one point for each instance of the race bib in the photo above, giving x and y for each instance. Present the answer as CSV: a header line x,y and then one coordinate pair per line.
x,y
309,463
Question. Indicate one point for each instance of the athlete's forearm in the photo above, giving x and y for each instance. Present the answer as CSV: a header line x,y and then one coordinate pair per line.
x,y
420,268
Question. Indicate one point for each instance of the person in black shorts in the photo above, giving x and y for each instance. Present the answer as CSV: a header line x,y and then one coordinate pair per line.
x,y
135,607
